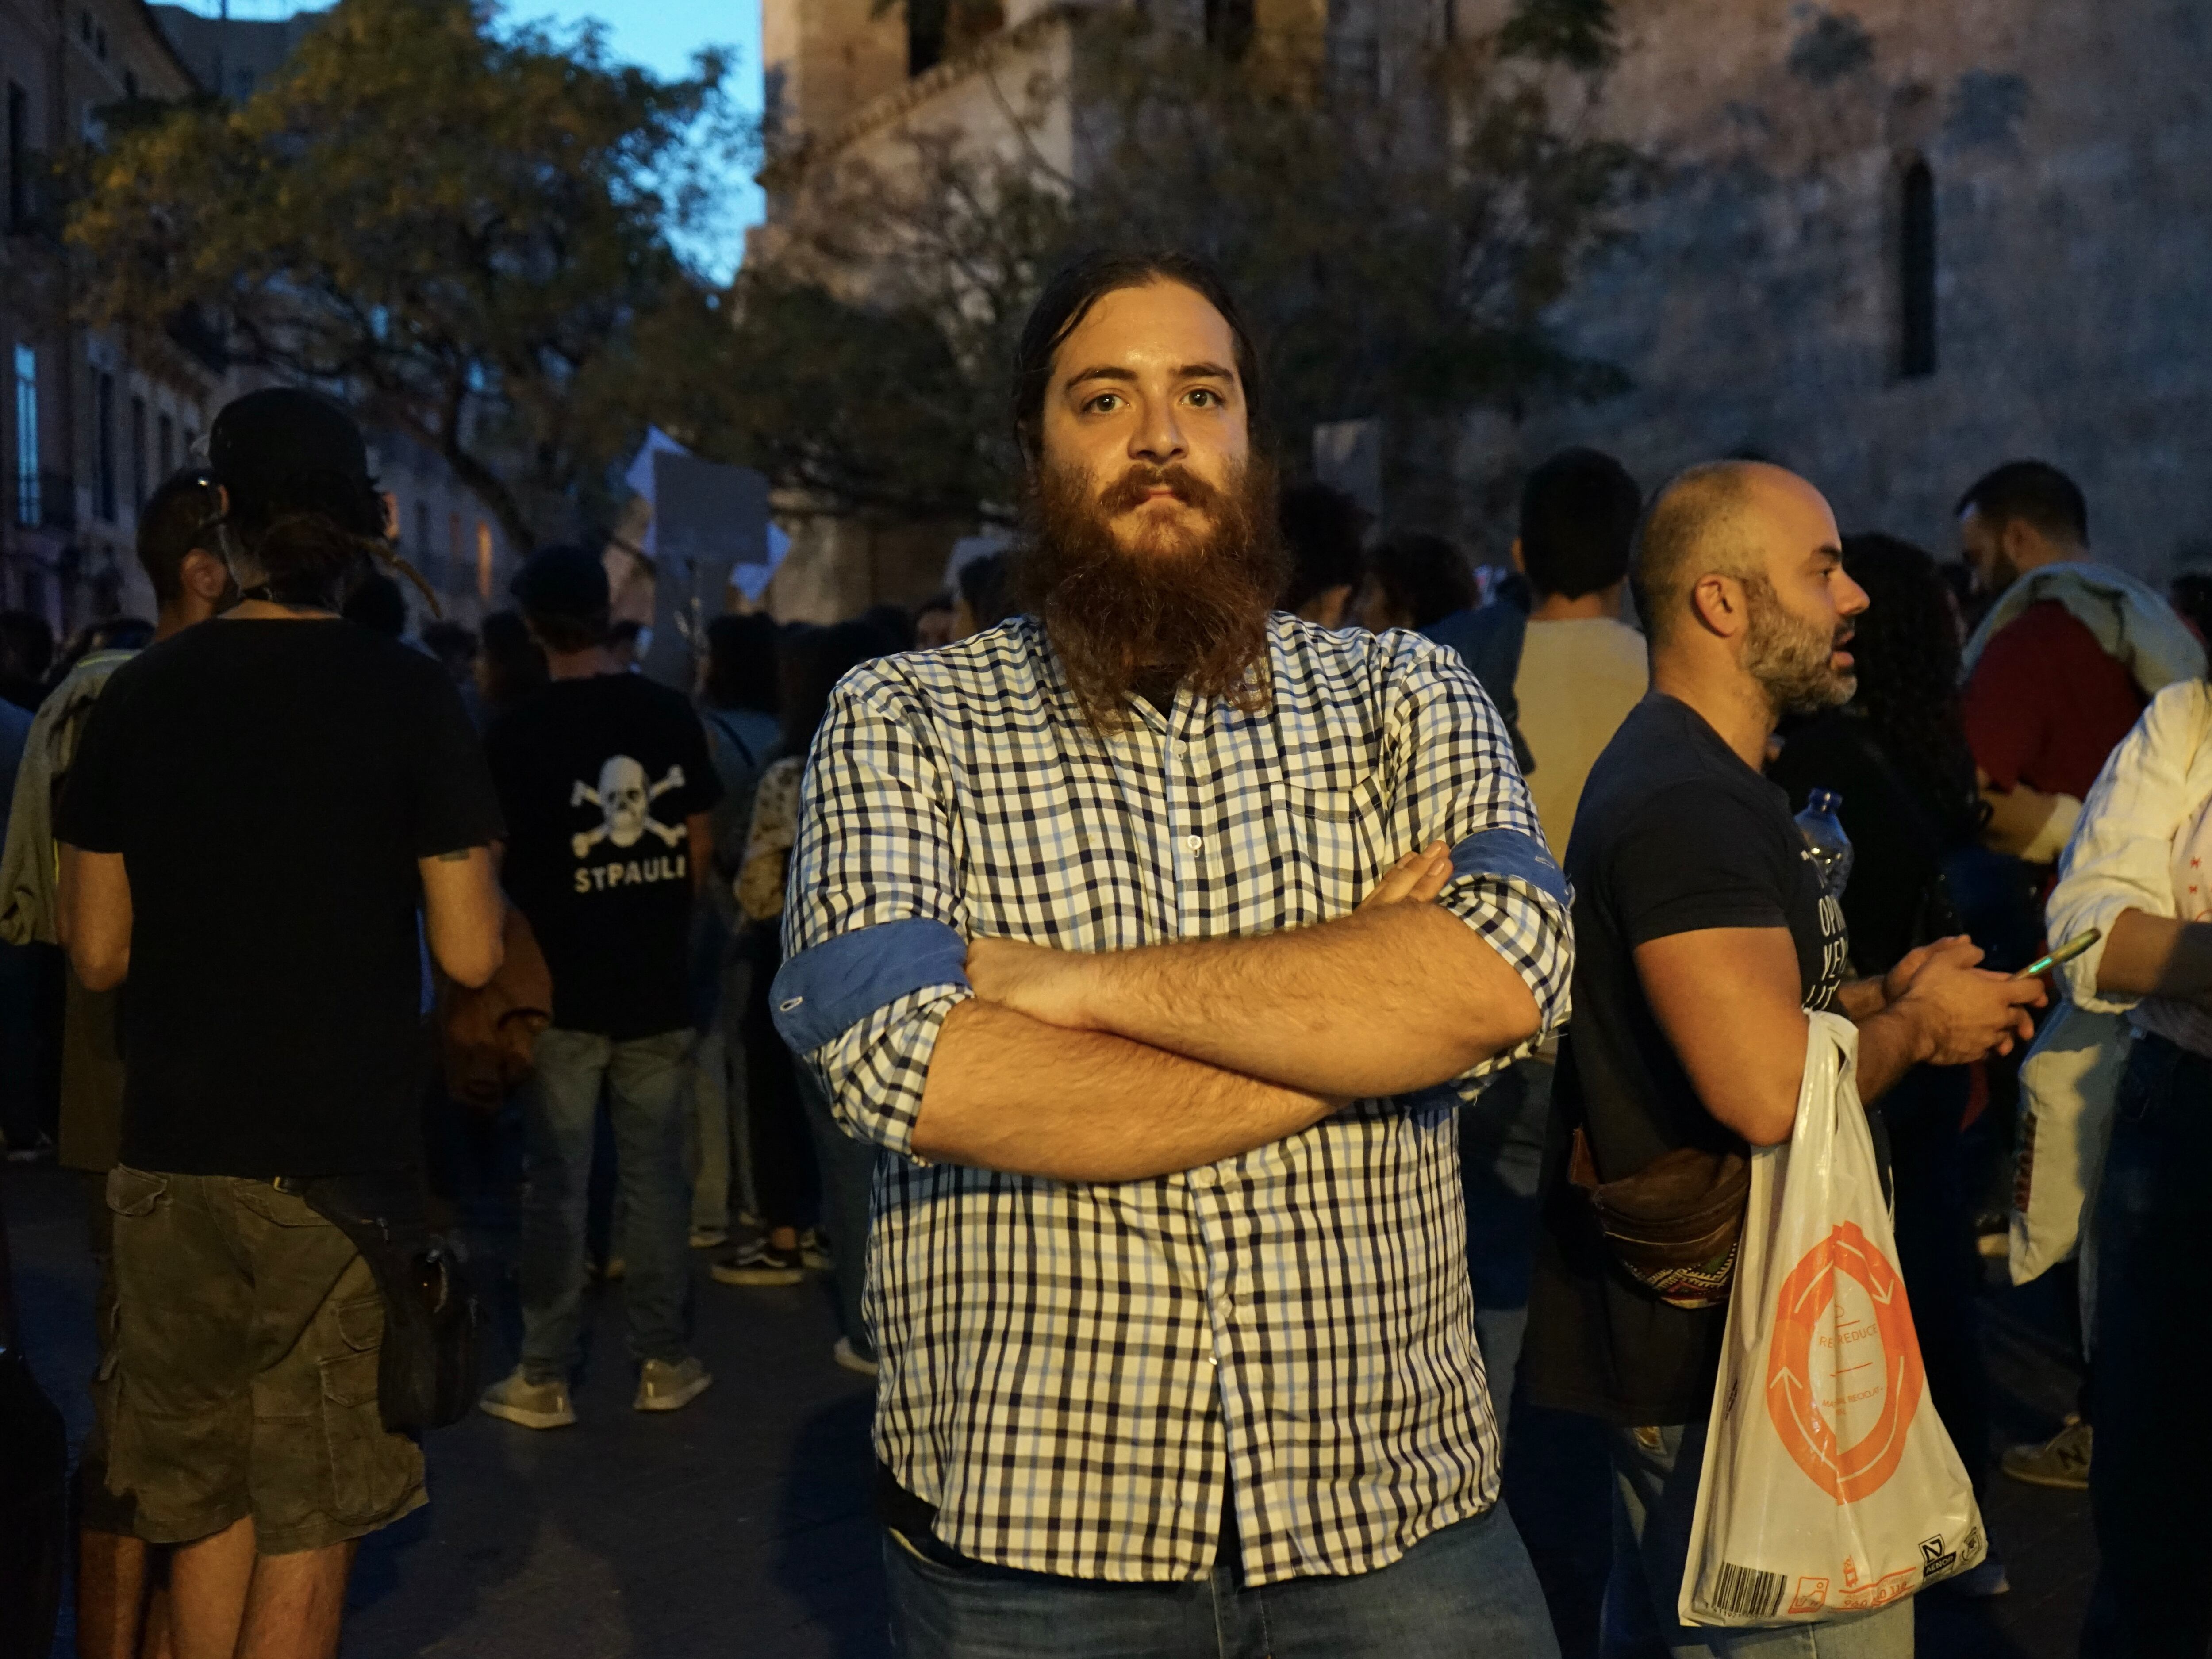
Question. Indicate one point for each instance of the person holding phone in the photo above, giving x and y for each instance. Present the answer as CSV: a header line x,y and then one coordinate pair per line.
x,y
1704,936
2136,870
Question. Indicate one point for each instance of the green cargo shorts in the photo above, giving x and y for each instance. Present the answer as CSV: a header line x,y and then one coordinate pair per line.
x,y
244,1380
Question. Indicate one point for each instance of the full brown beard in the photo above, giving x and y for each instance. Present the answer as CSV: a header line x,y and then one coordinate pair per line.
x,y
1190,613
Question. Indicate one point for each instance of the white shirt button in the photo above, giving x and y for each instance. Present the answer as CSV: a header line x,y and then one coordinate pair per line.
x,y
1194,842
1203,1177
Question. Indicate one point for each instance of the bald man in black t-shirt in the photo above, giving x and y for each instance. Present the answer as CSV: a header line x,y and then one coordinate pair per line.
x,y
1703,937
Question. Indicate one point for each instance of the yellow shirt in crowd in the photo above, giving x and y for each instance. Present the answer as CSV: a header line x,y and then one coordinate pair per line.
x,y
1578,682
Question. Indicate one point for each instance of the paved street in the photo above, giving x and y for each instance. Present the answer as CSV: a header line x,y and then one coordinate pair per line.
x,y
741,1526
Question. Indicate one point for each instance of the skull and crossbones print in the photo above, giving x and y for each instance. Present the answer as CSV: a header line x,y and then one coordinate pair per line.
x,y
625,802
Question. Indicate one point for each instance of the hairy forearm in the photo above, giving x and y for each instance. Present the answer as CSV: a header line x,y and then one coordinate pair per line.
x,y
1891,1043
1861,998
2157,957
1379,1003
1008,1093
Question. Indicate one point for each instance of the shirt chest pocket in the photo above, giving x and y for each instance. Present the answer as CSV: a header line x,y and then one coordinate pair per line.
x,y
1330,839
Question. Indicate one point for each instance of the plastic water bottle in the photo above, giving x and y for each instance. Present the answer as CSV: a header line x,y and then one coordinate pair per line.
x,y
1824,835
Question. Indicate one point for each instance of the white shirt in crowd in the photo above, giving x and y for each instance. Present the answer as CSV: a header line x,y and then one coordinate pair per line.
x,y
2144,842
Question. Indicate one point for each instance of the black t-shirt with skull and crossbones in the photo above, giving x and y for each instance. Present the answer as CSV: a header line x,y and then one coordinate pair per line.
x,y
596,777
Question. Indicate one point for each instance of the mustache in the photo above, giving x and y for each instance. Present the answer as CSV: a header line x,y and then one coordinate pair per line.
x,y
1128,492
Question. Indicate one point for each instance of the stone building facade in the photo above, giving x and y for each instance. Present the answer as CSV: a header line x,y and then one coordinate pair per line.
x,y
1897,243
1889,243
88,429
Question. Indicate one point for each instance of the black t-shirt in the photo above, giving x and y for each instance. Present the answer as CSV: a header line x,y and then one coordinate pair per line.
x,y
270,786
1674,834
597,777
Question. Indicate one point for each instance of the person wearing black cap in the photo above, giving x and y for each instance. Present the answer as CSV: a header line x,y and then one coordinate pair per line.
x,y
607,786
261,813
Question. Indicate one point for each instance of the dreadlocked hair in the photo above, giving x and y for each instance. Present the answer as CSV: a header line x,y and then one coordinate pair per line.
x,y
1908,650
312,559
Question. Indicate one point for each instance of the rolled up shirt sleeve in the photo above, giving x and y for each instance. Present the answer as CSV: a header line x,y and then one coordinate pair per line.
x,y
874,938
2120,857
1458,784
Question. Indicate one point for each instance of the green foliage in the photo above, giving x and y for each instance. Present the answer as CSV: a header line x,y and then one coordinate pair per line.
x,y
1396,247
467,231
864,406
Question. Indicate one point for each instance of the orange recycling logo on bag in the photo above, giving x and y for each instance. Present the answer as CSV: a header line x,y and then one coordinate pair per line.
x,y
1844,1372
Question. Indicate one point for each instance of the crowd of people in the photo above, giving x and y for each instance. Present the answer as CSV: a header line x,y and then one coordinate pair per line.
x,y
1124,977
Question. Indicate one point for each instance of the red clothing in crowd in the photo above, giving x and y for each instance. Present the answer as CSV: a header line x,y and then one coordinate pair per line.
x,y
2044,705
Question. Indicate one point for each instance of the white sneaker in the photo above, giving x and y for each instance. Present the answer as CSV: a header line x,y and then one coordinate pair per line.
x,y
534,1405
662,1386
852,1359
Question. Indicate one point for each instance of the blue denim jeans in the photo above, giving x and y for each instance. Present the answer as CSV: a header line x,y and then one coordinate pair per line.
x,y
648,1086
1466,1592
1654,1494
2154,1464
849,1174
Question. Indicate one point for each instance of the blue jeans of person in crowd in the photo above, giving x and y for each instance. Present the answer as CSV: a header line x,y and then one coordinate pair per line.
x,y
848,1174
649,1087
1466,1592
2152,1475
1655,1495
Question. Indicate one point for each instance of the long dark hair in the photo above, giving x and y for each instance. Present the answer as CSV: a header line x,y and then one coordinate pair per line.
x,y
810,661
741,657
1907,648
1075,288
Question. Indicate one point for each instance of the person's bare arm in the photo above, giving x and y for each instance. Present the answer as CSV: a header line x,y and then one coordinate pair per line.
x,y
1395,997
1861,998
93,917
464,913
699,837
2148,956
1005,1091
1728,999
2026,823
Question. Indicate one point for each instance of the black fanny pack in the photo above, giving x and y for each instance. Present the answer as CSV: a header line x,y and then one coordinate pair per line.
x,y
426,1372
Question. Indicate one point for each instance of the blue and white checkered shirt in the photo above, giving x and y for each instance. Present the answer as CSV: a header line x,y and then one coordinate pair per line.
x,y
1072,1371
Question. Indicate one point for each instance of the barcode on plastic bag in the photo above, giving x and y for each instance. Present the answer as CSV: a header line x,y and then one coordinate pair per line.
x,y
1747,1593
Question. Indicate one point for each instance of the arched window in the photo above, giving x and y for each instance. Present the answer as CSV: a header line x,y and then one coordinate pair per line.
x,y
1916,273
925,35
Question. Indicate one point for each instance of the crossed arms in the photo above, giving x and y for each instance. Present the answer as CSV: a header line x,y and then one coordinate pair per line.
x,y
940,1043
1123,1065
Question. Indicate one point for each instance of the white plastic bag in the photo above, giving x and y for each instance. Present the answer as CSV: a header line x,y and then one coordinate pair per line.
x,y
2068,1085
1829,1484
